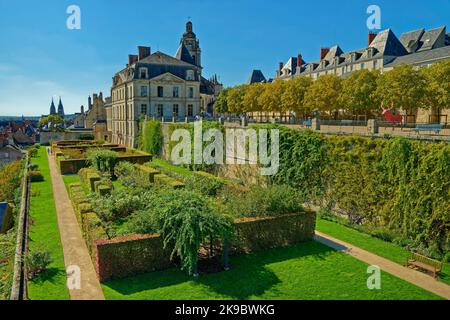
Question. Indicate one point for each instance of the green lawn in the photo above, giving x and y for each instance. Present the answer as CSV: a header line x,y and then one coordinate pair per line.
x,y
306,271
44,233
382,248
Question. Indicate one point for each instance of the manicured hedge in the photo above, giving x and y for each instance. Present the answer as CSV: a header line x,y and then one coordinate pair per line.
x,y
149,172
130,255
92,231
162,179
256,234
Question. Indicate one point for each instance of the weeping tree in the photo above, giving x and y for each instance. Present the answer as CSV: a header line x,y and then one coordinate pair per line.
x,y
186,221
103,160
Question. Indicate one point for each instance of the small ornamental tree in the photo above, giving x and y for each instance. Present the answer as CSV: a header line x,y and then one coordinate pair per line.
x,y
103,160
186,220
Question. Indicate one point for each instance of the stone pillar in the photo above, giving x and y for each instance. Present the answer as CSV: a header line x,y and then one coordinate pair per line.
x,y
186,120
174,119
372,126
244,121
315,124
221,121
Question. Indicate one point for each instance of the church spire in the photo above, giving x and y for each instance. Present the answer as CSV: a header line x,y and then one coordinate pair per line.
x,y
60,108
52,107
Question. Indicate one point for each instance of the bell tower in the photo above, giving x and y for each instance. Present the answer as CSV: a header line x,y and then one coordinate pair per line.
x,y
192,44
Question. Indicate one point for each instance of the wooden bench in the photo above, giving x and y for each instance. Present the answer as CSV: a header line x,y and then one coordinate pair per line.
x,y
428,127
424,263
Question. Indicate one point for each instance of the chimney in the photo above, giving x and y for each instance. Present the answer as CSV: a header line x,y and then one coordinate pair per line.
x,y
324,52
371,37
299,60
280,68
132,59
144,52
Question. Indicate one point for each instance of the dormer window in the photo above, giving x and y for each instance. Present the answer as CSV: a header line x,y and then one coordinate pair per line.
x,y
370,52
353,57
336,61
190,75
143,73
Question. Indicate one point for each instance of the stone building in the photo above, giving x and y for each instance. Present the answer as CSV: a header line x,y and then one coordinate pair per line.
x,y
384,51
161,86
96,112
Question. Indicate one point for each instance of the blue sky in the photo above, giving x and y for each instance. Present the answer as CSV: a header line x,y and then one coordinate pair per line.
x,y
41,58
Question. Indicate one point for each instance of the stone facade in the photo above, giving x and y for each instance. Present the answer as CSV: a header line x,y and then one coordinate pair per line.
x,y
96,112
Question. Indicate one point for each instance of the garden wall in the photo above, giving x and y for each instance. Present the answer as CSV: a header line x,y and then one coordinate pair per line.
x,y
47,137
72,166
127,256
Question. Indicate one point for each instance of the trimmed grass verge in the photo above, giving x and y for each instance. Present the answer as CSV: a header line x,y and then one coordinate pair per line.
x,y
44,233
309,271
377,246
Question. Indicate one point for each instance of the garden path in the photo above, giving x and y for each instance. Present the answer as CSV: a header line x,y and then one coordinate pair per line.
x,y
415,277
74,248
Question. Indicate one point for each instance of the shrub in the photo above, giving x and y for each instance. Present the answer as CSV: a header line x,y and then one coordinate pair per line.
x,y
86,136
102,159
205,184
130,176
38,261
9,180
119,204
163,180
84,208
33,166
258,201
33,151
35,176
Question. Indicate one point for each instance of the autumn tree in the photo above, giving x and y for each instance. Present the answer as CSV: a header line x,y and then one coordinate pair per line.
x,y
437,89
270,98
323,95
358,92
235,99
401,88
293,95
251,97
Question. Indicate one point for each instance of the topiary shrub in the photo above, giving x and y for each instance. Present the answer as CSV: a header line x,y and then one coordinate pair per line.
x,y
35,176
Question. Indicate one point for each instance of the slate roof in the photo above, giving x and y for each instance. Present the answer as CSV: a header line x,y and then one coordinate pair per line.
x,y
411,40
157,64
387,44
184,55
432,39
256,77
422,57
